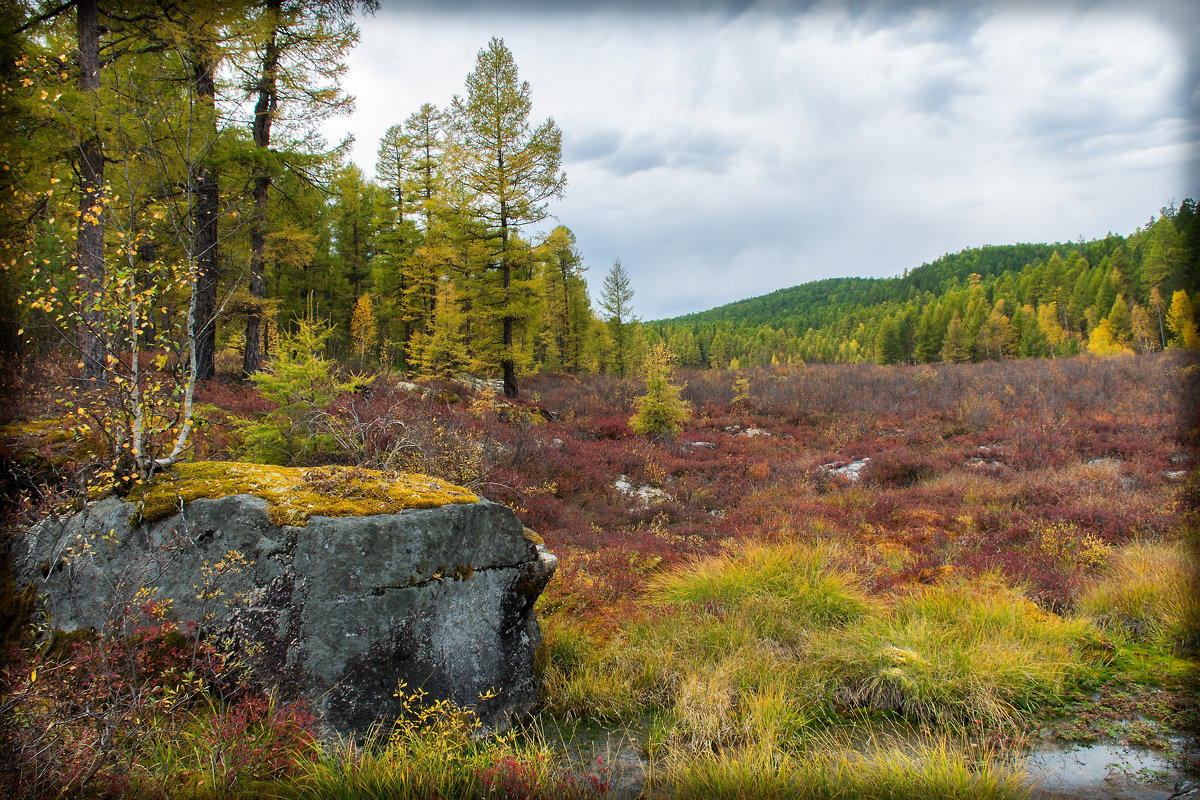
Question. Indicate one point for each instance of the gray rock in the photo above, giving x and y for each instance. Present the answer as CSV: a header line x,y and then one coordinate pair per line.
x,y
852,471
645,494
337,611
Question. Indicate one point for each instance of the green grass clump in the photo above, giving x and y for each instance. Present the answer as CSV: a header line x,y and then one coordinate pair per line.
x,y
1150,593
801,580
295,494
930,770
975,655
719,652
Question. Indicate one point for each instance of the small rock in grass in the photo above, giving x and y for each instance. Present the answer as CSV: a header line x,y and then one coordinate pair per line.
x,y
851,471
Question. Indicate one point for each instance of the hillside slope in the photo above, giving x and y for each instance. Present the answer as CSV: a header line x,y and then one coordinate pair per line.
x,y
1011,300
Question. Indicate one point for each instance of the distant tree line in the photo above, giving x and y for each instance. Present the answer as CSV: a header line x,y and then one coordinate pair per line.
x,y
1136,293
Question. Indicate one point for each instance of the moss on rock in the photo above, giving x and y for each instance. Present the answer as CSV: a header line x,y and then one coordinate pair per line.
x,y
294,494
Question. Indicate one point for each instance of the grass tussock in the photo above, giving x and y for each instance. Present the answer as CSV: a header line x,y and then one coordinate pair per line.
x,y
801,577
931,770
977,655
1149,592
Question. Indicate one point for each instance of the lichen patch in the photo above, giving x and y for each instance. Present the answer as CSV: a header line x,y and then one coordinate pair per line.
x,y
295,494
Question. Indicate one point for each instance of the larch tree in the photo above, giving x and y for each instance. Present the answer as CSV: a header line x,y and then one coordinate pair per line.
x,y
1120,322
1160,312
413,253
203,57
1145,335
565,296
364,331
996,339
1163,257
294,79
616,305
887,343
443,353
510,168
1181,322
660,411
89,243
354,233
425,129
154,104
392,165
955,347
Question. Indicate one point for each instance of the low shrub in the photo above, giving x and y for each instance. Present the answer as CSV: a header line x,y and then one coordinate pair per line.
x,y
610,427
130,712
899,467
437,750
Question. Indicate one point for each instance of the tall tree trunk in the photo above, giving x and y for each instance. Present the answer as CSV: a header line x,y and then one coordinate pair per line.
x,y
510,370
205,226
89,245
264,110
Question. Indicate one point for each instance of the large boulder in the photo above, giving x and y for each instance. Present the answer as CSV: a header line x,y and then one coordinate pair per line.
x,y
335,609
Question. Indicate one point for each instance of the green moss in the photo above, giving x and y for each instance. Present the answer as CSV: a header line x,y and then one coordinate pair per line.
x,y
295,494
52,441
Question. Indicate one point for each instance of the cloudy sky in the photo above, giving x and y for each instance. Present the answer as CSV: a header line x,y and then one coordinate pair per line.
x,y
736,148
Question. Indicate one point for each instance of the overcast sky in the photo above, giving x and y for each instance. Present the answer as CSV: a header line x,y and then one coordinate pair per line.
x,y
733,149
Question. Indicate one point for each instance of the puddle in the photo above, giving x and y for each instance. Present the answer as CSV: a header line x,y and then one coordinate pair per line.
x,y
1102,771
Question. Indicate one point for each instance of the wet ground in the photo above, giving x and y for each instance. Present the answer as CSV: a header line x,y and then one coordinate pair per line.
x,y
1104,772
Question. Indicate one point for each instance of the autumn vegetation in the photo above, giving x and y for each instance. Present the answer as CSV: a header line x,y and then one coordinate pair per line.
x,y
1019,541
860,537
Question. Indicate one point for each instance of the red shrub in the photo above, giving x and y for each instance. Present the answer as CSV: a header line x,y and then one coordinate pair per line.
x,y
899,467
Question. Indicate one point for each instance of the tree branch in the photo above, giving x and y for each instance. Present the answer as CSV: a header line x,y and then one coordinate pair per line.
x,y
51,14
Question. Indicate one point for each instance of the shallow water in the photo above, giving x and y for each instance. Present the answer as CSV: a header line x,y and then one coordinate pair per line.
x,y
1102,772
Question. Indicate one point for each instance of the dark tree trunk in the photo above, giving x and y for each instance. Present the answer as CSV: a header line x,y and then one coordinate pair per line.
x,y
205,229
510,371
89,246
264,109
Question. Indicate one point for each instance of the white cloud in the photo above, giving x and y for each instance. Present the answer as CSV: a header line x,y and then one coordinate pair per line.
x,y
721,155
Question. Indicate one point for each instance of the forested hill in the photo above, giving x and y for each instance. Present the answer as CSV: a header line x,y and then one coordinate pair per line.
x,y
816,303
1106,295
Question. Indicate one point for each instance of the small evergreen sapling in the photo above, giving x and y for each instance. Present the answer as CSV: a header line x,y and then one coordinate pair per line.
x,y
302,383
661,411
364,330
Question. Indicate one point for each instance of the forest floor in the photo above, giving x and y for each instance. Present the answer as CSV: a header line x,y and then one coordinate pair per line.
x,y
842,580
